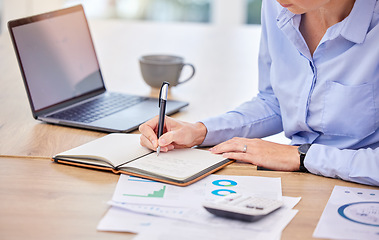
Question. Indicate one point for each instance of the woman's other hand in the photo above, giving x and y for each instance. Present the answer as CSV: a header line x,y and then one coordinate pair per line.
x,y
261,153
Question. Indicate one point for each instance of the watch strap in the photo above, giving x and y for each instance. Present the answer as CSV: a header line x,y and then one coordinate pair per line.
x,y
303,149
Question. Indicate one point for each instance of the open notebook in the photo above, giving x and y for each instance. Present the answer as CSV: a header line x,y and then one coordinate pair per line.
x,y
122,153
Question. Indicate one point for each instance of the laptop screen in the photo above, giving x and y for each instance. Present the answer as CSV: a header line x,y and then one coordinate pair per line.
x,y
57,57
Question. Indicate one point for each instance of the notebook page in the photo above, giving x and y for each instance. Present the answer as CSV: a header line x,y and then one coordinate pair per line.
x,y
177,164
114,148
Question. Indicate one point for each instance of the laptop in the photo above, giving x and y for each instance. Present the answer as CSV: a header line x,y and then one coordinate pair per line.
x,y
63,79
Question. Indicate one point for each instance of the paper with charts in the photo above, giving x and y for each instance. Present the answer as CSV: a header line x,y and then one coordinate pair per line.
x,y
142,191
351,213
139,204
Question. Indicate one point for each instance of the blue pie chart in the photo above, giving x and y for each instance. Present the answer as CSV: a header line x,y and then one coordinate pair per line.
x,y
225,183
366,213
222,192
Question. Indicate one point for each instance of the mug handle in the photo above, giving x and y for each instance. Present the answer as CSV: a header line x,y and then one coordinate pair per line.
x,y
193,72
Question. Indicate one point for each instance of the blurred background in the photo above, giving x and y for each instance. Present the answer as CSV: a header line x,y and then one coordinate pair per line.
x,y
200,11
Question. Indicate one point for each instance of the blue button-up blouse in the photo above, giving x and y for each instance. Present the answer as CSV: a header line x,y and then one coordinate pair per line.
x,y
329,99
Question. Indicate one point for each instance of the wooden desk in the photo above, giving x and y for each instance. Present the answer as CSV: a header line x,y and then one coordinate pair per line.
x,y
43,200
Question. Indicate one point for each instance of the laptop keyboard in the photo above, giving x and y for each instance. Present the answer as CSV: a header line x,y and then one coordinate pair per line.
x,y
99,108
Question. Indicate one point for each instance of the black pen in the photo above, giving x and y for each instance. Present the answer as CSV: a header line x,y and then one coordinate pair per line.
x,y
162,110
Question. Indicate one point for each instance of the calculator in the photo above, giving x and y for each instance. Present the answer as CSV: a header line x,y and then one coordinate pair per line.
x,y
240,207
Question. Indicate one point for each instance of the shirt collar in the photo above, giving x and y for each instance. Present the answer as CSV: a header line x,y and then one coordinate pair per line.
x,y
284,17
358,22
353,28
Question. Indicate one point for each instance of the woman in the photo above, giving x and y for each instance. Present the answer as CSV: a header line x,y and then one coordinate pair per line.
x,y
318,82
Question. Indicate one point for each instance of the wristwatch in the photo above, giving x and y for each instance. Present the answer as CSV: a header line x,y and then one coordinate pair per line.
x,y
303,149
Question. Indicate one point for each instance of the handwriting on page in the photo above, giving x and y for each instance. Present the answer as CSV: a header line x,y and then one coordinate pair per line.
x,y
165,165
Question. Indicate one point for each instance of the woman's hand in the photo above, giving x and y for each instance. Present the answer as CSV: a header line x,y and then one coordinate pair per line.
x,y
176,134
261,153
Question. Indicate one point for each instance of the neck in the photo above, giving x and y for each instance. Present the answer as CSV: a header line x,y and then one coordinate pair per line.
x,y
331,13
316,22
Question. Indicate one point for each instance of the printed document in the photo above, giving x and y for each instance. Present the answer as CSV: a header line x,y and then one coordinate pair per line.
x,y
149,208
351,213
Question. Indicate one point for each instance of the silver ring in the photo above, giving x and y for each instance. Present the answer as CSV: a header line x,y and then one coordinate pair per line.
x,y
244,148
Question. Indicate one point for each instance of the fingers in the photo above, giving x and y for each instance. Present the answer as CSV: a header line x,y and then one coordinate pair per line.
x,y
148,133
147,143
149,137
234,145
238,156
167,148
177,134
180,136
167,138
235,149
261,153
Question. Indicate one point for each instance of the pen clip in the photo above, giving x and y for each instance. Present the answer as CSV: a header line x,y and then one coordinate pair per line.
x,y
164,90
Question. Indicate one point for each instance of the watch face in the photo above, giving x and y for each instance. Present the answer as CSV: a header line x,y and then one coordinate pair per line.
x,y
303,149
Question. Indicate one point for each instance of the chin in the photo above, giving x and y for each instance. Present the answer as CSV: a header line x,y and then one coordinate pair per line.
x,y
296,10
